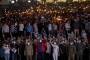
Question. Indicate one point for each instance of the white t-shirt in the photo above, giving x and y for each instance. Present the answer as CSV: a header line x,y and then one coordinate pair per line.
x,y
50,27
67,26
84,35
55,48
7,50
21,27
5,29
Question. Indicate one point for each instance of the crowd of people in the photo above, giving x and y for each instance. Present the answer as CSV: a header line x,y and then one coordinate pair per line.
x,y
43,36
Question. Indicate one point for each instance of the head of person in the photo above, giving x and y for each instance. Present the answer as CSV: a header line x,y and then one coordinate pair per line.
x,y
40,41
28,43
29,23
14,42
71,43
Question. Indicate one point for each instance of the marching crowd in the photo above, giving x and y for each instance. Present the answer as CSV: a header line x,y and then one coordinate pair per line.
x,y
45,37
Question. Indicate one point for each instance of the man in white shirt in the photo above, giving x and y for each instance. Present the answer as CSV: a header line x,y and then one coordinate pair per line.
x,y
50,29
67,26
21,29
5,31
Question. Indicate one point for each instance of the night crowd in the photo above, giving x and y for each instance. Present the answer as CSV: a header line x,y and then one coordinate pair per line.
x,y
45,36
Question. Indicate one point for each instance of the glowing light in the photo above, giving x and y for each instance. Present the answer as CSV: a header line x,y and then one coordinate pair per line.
x,y
45,10
74,7
15,23
12,2
11,13
86,7
8,11
16,0
31,7
18,10
29,1
55,2
37,9
61,0
38,0
58,18
2,17
15,12
6,14
75,0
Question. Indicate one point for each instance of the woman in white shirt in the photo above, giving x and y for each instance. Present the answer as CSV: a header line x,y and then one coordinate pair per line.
x,y
55,51
7,51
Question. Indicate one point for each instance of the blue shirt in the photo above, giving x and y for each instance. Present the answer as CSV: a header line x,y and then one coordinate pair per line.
x,y
40,47
29,28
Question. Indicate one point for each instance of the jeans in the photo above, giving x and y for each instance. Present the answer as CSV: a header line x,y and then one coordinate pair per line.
x,y
14,56
20,57
7,56
55,56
